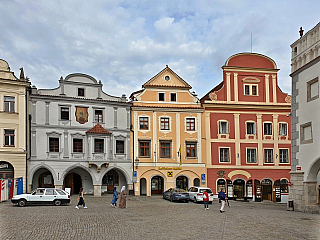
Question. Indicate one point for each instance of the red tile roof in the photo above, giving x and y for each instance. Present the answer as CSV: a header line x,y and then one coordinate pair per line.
x,y
98,129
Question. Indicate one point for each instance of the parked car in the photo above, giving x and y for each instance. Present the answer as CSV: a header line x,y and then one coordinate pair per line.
x,y
42,196
176,194
196,194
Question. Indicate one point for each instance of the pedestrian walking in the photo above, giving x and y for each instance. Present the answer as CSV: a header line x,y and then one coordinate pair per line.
x,y
206,200
122,199
222,198
114,198
81,199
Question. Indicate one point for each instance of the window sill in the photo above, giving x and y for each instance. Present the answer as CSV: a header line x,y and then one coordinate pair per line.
x,y
9,112
11,146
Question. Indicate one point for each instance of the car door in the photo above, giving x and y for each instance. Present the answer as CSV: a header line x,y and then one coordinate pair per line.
x,y
49,196
192,193
37,196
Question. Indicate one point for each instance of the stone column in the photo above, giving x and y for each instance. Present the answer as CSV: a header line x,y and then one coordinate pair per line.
x,y
65,145
34,112
237,138
47,114
33,144
310,192
296,191
115,117
97,190
128,118
259,132
228,87
266,79
58,186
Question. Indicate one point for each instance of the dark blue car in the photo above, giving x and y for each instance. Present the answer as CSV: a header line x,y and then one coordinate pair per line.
x,y
176,194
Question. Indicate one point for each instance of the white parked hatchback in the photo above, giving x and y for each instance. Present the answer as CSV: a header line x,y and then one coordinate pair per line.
x,y
42,196
196,194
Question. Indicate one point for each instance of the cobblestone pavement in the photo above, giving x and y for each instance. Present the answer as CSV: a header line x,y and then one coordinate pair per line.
x,y
155,218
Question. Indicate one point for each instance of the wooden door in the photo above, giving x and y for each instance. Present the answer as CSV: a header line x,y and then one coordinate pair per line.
x,y
68,182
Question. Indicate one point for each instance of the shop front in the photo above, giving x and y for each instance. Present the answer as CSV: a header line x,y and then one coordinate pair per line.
x,y
156,180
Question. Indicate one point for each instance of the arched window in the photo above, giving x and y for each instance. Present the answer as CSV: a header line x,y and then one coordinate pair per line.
x,y
284,186
6,170
221,184
196,182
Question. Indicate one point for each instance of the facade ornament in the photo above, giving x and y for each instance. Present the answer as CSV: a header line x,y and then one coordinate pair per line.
x,y
221,174
213,96
288,99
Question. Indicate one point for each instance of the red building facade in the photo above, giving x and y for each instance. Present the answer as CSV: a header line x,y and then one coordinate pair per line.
x,y
247,131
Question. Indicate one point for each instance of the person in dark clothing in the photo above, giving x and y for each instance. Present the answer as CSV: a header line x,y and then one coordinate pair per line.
x,y
222,198
115,197
81,199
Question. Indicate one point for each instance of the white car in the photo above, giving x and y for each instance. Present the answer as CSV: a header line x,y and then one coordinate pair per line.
x,y
42,196
196,194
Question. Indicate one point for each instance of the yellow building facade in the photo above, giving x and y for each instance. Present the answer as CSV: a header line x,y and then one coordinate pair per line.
x,y
166,135
13,124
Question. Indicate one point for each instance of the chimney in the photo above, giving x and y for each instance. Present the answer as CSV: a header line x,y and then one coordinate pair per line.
x,y
22,74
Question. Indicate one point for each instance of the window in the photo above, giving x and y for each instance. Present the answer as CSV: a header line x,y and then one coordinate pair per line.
x,y
223,127
99,145
283,154
165,124
268,155
284,186
191,123
173,97
50,192
306,133
81,92
312,89
144,122
161,97
98,116
144,149
119,147
9,104
64,113
267,128
283,129
251,155
9,138
224,155
77,145
53,144
165,149
250,89
191,149
251,128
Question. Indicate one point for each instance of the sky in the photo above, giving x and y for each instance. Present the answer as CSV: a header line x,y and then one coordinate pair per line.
x,y
125,43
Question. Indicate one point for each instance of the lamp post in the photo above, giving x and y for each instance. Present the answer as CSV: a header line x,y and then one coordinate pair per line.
x,y
134,174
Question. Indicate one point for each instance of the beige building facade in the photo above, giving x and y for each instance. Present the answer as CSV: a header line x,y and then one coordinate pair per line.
x,y
166,135
13,124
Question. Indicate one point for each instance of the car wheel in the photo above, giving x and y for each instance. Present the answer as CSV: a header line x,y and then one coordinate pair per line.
x,y
22,203
195,199
171,199
57,202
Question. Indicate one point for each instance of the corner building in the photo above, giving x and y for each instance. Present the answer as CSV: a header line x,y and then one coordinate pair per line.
x,y
247,131
305,167
166,135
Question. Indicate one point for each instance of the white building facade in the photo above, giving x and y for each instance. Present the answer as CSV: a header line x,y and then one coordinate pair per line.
x,y
80,137
305,122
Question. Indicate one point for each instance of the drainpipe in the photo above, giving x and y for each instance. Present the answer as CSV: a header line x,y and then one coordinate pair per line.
x,y
131,126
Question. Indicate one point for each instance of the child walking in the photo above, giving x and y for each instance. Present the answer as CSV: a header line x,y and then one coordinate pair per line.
x,y
115,197
81,199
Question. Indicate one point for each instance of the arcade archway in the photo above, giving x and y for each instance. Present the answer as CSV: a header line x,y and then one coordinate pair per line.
x,y
6,170
157,185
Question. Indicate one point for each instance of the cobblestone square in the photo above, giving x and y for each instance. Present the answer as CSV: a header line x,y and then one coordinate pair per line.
x,y
155,218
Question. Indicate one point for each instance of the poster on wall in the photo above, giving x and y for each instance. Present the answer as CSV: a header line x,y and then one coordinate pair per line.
x,y
230,191
249,191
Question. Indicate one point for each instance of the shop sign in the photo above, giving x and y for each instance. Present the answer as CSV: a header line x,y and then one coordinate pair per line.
x,y
203,178
3,165
170,174
169,168
134,176
298,168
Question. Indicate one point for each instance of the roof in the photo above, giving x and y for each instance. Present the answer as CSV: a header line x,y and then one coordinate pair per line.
x,y
216,88
98,129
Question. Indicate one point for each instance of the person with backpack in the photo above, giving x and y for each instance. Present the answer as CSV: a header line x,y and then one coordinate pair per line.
x,y
81,199
222,199
205,200
115,197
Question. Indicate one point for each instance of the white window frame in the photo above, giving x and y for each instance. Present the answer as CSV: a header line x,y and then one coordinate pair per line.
x,y
250,89
272,155
229,150
251,148
264,128
286,124
254,128
302,135
220,126
288,152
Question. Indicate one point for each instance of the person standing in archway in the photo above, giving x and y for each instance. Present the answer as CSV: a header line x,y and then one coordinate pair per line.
x,y
122,200
222,198
81,199
115,197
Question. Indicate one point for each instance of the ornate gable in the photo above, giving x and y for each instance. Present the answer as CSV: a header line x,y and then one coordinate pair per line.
x,y
166,78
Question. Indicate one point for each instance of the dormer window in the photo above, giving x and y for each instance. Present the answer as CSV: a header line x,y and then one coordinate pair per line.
x,y
251,89
80,92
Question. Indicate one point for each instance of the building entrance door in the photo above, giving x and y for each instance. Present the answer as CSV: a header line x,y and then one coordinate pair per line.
x,y
113,180
182,182
156,185
266,189
238,188
73,181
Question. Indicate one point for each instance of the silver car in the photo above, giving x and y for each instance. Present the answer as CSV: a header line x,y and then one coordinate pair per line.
x,y
196,194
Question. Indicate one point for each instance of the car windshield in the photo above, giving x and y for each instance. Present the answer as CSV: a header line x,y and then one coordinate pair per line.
x,y
208,190
179,190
